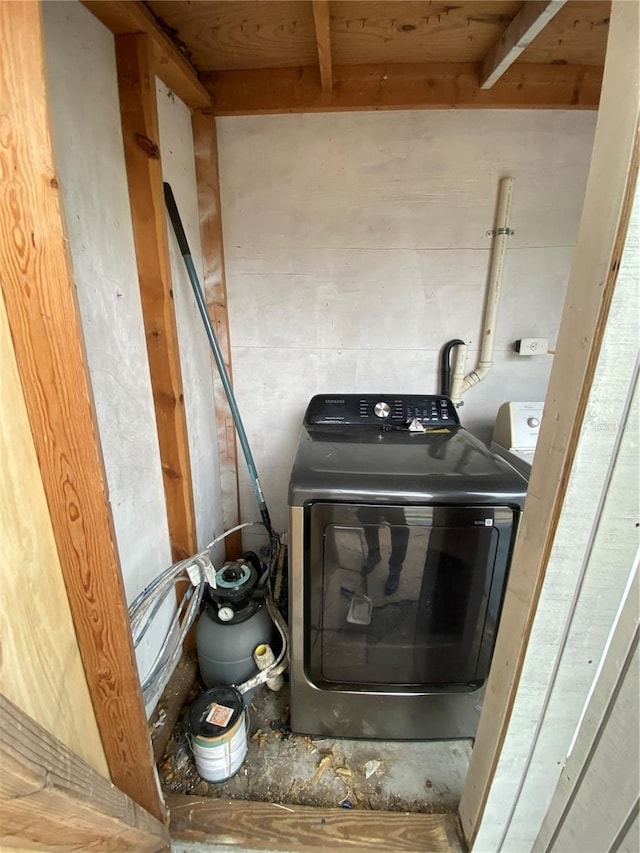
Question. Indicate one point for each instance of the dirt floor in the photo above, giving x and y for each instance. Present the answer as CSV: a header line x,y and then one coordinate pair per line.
x,y
284,768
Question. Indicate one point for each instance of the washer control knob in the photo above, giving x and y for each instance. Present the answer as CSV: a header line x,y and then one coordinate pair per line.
x,y
382,410
533,422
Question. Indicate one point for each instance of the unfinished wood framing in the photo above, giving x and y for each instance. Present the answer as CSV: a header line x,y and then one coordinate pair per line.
x,y
236,35
607,207
138,108
322,24
205,146
447,85
527,24
132,16
306,829
50,799
39,294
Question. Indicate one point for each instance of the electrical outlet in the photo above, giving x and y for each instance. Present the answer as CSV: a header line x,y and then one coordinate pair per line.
x,y
532,346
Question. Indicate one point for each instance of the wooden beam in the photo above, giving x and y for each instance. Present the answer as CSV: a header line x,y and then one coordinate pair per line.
x,y
322,24
306,829
138,108
205,145
131,16
50,799
396,87
530,20
596,259
39,294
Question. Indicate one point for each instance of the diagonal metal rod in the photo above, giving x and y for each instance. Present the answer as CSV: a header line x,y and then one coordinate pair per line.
x,y
183,244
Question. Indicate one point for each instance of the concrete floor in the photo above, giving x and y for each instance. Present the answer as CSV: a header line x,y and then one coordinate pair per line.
x,y
288,769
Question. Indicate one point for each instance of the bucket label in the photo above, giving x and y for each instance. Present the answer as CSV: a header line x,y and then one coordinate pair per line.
x,y
219,715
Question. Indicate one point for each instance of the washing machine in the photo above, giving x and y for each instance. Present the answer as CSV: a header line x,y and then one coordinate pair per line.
x,y
515,434
401,529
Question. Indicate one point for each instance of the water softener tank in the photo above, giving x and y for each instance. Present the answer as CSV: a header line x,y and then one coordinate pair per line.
x,y
235,620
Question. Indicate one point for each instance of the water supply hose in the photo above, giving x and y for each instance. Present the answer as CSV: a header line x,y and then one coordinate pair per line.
x,y
445,365
183,244
146,605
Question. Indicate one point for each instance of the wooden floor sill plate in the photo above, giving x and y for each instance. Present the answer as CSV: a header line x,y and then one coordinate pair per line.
x,y
304,829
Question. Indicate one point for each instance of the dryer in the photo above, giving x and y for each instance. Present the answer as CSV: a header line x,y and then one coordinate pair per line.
x,y
401,530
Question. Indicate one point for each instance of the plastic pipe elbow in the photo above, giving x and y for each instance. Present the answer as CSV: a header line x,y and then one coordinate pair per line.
x,y
265,659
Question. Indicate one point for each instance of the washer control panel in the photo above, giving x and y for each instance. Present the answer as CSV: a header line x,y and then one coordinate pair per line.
x,y
517,426
396,411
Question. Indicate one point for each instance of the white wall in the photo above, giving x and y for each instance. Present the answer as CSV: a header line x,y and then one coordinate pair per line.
x,y
356,246
88,144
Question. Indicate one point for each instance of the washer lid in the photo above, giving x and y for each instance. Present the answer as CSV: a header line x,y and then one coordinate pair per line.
x,y
371,466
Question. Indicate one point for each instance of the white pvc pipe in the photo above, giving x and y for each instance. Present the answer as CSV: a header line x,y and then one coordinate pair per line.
x,y
457,373
501,235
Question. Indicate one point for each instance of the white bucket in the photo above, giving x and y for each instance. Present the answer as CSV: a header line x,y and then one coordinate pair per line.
x,y
218,733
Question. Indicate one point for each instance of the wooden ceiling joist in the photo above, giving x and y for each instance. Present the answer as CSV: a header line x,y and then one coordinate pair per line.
x,y
130,16
527,24
391,87
322,23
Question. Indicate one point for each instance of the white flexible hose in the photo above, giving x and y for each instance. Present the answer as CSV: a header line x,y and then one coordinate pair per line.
x,y
148,603
281,662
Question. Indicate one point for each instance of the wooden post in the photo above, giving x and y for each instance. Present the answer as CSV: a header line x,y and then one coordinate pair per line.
x,y
205,146
138,107
50,799
39,293
596,260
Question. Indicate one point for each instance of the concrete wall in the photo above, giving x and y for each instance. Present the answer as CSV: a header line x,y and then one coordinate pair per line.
x,y
88,144
356,246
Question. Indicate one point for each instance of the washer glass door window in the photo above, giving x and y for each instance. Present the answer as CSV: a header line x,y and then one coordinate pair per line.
x,y
402,595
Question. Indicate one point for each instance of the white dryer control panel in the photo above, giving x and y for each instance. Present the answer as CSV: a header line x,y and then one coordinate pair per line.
x,y
517,426
515,434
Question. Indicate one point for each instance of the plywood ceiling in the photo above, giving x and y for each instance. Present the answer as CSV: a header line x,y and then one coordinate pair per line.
x,y
233,35
241,57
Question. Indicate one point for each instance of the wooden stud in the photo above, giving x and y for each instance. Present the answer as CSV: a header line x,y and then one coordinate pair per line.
x,y
138,108
307,829
527,24
39,294
205,145
322,23
601,237
175,71
394,87
50,799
